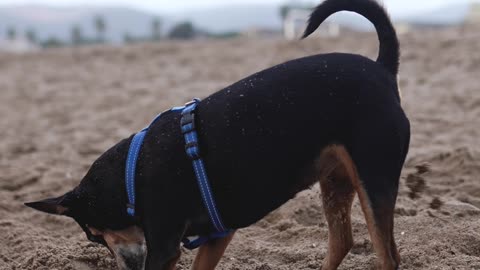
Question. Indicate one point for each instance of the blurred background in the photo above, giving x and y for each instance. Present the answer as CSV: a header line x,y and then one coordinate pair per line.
x,y
77,76
32,25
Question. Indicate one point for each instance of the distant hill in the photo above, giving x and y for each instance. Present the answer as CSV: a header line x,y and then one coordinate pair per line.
x,y
234,17
239,17
449,15
58,22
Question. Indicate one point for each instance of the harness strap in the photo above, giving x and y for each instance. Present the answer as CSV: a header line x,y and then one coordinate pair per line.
x,y
131,164
130,169
193,152
194,242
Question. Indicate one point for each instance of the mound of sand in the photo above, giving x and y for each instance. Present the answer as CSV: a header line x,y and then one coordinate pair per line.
x,y
62,108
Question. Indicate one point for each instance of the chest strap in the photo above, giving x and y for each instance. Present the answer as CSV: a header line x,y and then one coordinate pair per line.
x,y
131,163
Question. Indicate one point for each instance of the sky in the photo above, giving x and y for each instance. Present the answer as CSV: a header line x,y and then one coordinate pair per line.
x,y
399,7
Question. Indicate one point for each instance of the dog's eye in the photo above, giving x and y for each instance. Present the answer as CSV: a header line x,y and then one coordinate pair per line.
x,y
97,239
94,238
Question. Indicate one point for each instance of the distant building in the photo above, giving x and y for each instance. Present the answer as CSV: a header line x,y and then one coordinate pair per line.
x,y
402,27
18,45
473,16
296,21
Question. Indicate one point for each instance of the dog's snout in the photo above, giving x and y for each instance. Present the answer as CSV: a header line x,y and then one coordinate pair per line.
x,y
127,245
131,256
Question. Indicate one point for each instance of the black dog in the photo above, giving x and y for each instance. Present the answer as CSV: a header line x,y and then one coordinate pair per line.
x,y
334,119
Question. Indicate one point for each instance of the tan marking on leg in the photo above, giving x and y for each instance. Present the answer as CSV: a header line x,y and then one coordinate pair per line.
x,y
209,255
396,254
381,231
337,197
335,162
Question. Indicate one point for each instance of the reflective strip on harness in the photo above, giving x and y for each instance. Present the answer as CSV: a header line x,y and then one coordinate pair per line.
x,y
131,164
193,151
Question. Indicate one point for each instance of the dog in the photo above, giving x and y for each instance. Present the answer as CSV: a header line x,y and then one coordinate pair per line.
x,y
333,118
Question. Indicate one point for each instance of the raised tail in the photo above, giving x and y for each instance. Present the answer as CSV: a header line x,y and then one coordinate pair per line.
x,y
389,53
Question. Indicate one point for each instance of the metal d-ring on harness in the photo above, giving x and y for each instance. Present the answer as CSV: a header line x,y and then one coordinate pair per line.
x,y
192,149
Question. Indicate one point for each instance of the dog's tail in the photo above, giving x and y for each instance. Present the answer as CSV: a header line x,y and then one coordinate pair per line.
x,y
389,54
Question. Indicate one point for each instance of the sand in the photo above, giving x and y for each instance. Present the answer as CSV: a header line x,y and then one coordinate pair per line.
x,y
62,108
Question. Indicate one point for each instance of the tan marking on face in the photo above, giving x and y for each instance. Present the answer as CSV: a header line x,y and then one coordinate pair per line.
x,y
128,246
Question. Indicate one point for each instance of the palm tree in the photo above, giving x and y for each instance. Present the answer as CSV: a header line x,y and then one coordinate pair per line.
x,y
77,35
284,9
101,27
11,33
127,38
156,29
31,36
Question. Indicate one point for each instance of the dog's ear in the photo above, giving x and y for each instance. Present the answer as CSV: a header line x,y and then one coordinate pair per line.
x,y
56,206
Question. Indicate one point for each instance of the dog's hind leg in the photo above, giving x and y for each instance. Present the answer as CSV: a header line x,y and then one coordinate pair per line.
x,y
337,197
379,216
379,165
379,219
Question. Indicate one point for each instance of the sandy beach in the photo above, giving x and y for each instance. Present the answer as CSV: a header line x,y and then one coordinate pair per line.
x,y
61,108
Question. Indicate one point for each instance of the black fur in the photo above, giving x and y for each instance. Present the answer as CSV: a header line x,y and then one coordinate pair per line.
x,y
258,137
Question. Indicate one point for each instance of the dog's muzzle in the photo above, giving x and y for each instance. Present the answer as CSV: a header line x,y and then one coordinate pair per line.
x,y
130,256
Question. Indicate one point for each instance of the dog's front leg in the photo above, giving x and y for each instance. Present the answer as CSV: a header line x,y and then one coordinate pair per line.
x,y
163,238
209,255
162,255
157,261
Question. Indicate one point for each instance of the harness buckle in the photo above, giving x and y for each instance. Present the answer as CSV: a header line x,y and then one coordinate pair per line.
x,y
193,150
195,100
130,209
188,123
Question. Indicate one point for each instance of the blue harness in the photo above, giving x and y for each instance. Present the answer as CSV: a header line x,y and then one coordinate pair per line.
x,y
187,125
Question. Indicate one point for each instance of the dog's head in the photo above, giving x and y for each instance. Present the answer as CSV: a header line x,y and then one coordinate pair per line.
x,y
98,205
